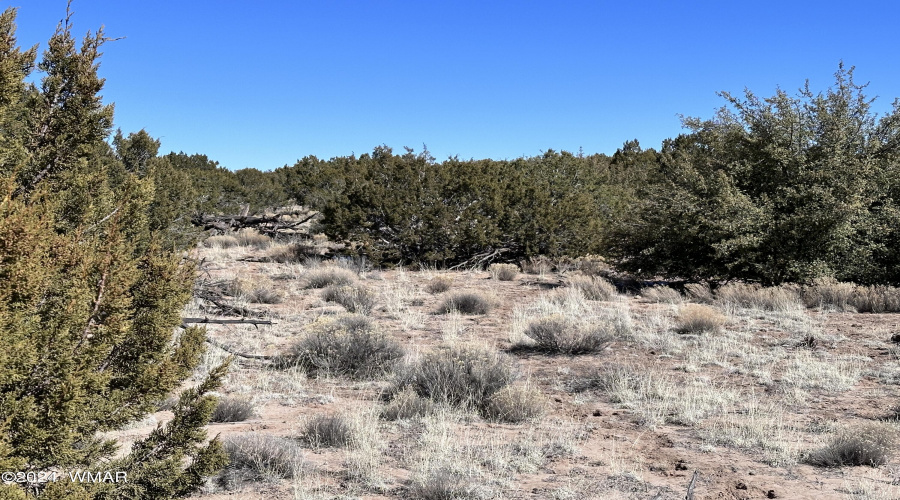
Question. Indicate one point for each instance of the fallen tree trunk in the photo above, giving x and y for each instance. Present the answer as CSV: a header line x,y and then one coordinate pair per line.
x,y
215,321
269,225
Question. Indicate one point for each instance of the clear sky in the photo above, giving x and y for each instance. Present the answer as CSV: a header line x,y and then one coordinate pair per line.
x,y
264,83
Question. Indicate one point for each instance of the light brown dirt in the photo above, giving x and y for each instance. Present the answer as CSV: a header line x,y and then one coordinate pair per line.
x,y
612,454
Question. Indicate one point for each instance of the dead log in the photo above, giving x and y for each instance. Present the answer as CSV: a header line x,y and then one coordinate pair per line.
x,y
216,321
269,225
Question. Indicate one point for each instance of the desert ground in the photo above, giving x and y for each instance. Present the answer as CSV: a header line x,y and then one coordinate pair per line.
x,y
743,394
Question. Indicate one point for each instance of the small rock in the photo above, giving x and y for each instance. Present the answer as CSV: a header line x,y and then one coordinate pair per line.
x,y
681,465
740,486
771,494
895,338
597,413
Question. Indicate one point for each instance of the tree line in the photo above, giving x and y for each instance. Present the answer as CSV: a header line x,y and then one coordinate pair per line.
x,y
94,225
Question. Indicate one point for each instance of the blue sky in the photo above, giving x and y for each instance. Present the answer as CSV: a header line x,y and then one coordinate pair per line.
x,y
264,83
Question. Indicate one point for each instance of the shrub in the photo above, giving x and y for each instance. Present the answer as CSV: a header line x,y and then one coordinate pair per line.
x,y
232,410
852,297
327,276
439,284
466,303
699,292
347,346
356,298
662,294
264,455
878,299
221,241
258,292
441,485
296,252
556,334
407,404
537,264
593,287
503,272
327,431
752,296
250,237
697,319
457,376
870,444
514,404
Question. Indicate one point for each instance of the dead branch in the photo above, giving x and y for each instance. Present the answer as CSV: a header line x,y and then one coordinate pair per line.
x,y
690,490
216,321
269,225
238,353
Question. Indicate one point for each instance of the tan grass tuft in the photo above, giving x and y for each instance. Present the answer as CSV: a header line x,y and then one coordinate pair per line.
x,y
699,319
662,294
593,287
503,272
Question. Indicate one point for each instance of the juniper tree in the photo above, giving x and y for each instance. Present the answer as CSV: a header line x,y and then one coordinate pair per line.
x,y
784,188
90,301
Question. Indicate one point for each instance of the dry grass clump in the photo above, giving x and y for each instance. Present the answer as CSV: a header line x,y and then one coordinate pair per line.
x,y
328,275
458,376
699,292
592,265
441,485
356,298
256,291
503,272
248,237
439,284
656,396
407,404
296,252
466,303
327,431
697,319
514,404
264,455
869,444
593,287
537,264
347,346
221,241
557,334
662,295
852,297
753,296
564,321
232,409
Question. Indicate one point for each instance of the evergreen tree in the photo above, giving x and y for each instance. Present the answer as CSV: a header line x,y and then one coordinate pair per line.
x,y
773,190
89,299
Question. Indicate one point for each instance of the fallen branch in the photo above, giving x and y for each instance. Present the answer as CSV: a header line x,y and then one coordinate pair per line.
x,y
690,490
266,224
238,353
214,321
479,260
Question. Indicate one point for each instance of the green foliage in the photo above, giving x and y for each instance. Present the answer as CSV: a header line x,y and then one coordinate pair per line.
x,y
772,190
90,299
410,207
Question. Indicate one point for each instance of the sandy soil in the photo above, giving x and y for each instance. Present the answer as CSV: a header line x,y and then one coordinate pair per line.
x,y
739,409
